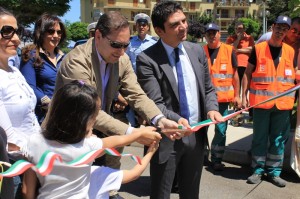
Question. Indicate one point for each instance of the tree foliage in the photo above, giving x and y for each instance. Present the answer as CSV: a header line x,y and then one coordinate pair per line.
x,y
77,31
197,27
252,27
276,8
27,11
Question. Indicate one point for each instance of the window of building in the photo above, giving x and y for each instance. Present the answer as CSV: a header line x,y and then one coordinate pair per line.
x,y
239,13
110,2
192,5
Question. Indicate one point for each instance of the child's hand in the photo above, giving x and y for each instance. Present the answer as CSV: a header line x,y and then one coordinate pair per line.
x,y
153,147
147,135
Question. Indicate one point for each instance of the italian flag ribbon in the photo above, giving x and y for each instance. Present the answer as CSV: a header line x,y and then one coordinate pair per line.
x,y
46,162
197,126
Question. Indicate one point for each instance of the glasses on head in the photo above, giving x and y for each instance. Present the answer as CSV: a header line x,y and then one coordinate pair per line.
x,y
295,31
7,32
52,31
116,44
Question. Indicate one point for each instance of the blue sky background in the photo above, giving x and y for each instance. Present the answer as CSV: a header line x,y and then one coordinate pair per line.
x,y
73,15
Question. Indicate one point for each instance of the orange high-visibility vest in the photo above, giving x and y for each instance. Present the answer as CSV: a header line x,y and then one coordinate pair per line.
x,y
267,81
222,73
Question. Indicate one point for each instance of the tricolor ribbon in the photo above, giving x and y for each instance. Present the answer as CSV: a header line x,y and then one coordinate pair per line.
x,y
46,162
197,126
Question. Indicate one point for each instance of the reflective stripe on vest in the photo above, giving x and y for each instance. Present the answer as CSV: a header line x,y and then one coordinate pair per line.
x,y
267,81
222,73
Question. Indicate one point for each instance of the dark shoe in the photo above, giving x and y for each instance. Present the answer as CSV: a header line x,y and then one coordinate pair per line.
x,y
117,196
218,166
276,180
254,179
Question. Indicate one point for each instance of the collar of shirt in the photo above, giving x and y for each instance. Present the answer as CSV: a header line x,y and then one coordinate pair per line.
x,y
170,51
147,38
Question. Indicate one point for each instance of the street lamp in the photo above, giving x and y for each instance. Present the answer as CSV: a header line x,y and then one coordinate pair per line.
x,y
264,13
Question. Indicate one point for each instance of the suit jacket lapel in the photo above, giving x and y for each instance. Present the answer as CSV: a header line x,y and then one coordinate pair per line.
x,y
194,60
96,69
164,63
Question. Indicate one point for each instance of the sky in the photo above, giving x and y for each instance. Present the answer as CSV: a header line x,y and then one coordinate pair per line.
x,y
73,15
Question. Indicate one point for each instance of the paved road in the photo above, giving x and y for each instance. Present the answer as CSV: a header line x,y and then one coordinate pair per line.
x,y
229,184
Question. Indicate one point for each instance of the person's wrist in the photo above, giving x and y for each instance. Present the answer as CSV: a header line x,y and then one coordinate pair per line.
x,y
158,120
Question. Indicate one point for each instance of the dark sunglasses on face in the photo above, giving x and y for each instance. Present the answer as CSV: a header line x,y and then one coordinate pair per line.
x,y
116,44
52,31
7,32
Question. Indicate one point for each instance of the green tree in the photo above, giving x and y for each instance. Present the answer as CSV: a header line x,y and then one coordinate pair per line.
x,y
276,8
77,31
294,7
252,27
205,18
27,11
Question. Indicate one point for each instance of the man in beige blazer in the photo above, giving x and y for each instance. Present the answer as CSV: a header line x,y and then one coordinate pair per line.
x,y
102,63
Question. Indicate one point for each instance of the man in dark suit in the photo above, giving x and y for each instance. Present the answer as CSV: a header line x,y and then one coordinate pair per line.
x,y
174,74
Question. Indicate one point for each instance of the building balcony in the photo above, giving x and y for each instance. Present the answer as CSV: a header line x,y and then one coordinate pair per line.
x,y
232,4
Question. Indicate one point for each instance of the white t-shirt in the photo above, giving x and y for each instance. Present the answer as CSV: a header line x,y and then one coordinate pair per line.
x,y
103,180
64,181
18,103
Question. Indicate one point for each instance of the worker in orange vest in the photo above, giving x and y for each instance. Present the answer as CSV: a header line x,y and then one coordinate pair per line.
x,y
222,64
270,71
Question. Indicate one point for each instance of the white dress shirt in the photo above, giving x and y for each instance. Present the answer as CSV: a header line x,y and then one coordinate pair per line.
x,y
189,78
17,103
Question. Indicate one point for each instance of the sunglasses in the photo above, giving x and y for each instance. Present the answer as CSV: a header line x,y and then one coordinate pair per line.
x,y
7,32
52,31
116,44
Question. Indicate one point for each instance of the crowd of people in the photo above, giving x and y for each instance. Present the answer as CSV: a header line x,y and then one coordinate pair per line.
x,y
98,95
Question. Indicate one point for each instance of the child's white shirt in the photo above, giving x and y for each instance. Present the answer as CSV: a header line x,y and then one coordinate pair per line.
x,y
68,181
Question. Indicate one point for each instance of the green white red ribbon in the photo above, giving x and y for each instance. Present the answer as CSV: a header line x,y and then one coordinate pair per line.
x,y
46,162
197,126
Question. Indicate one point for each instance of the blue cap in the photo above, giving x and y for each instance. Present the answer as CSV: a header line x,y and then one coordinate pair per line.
x,y
211,26
283,20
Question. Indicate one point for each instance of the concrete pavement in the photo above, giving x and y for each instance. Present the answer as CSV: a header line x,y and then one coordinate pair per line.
x,y
230,183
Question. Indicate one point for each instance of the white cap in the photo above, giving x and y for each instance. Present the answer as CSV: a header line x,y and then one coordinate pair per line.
x,y
141,17
91,26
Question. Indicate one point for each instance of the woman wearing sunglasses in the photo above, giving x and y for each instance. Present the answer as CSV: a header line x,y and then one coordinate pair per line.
x,y
41,60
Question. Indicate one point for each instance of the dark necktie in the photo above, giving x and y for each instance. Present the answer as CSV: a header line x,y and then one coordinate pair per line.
x,y
184,108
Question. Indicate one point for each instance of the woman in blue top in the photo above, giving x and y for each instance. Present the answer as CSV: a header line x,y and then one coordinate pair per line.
x,y
41,60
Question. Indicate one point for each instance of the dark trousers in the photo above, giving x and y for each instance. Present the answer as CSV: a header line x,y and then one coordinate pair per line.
x,y
7,191
187,160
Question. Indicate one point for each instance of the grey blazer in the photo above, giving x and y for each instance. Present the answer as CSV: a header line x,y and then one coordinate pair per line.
x,y
157,79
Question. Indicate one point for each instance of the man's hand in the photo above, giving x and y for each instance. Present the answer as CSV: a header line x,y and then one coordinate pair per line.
x,y
215,116
184,122
147,135
120,104
164,123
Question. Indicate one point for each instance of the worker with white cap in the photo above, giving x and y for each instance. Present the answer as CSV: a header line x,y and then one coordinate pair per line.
x,y
91,29
139,43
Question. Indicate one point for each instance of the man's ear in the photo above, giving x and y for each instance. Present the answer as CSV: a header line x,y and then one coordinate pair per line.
x,y
158,31
98,34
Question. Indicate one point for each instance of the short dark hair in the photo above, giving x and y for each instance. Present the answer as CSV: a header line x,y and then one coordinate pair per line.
x,y
162,11
295,20
239,23
72,107
110,22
